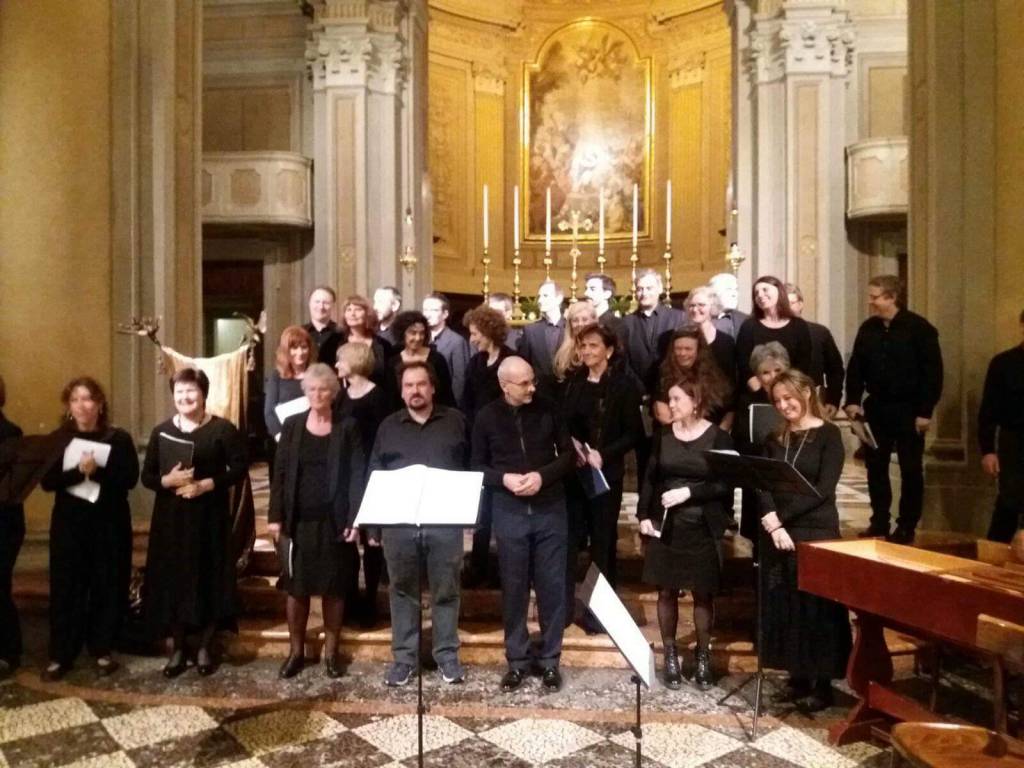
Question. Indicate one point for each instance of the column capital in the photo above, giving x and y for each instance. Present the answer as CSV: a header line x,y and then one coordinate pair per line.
x,y
359,43
801,38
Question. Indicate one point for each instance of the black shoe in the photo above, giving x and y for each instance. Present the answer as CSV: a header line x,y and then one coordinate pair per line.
x,y
291,666
106,666
7,668
512,680
901,536
205,670
332,668
702,674
673,677
551,679
815,702
174,668
590,625
790,694
874,531
54,672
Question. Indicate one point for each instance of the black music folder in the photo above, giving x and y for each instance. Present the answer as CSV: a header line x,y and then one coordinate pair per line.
x,y
760,474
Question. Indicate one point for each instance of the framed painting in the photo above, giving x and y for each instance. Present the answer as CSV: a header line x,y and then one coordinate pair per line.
x,y
587,126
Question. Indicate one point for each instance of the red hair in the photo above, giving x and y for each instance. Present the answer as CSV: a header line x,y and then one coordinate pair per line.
x,y
293,336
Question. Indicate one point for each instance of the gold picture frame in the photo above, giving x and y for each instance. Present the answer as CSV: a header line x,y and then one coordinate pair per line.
x,y
587,123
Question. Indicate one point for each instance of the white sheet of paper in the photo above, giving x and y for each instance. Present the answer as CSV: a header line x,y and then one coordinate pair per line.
x,y
450,497
391,497
420,495
89,490
599,596
291,407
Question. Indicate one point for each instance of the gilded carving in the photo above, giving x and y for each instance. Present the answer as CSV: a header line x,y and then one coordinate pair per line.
x,y
686,71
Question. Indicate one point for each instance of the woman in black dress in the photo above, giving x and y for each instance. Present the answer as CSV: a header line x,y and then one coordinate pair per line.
x,y
689,356
487,332
361,399
314,497
295,352
772,320
808,636
190,578
684,511
412,330
12,535
359,323
90,540
601,406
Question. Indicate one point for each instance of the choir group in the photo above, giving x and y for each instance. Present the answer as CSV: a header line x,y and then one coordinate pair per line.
x,y
549,412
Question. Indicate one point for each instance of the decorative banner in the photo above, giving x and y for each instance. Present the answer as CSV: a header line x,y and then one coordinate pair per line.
x,y
587,108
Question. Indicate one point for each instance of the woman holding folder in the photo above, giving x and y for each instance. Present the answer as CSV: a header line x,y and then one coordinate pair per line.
x,y
295,352
192,461
601,405
684,510
806,635
314,497
90,531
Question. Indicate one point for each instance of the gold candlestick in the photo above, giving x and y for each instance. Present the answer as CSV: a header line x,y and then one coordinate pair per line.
x,y
601,261
633,259
735,257
486,261
517,310
668,273
547,263
575,252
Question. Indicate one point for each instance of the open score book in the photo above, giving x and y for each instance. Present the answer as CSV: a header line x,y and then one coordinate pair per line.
x,y
420,495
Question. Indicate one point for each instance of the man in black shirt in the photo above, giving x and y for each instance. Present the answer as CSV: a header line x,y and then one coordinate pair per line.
x,y
897,360
600,289
826,360
322,329
524,451
542,338
1002,411
387,301
435,435
727,287
649,329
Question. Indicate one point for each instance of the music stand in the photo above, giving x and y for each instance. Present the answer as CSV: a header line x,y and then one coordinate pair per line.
x,y
600,598
760,474
459,508
24,461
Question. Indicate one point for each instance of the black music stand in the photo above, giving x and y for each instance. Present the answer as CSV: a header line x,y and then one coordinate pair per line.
x,y
760,474
457,514
24,461
600,598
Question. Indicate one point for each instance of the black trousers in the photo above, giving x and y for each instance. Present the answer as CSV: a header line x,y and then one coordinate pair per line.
x,y
12,535
1008,514
480,554
90,569
595,521
893,426
532,552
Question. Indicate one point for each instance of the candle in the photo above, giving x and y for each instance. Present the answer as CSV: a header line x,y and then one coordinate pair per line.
x,y
636,213
600,219
547,235
668,212
515,215
486,232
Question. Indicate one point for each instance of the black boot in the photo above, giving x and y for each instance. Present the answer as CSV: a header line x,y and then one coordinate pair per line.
x,y
673,677
702,674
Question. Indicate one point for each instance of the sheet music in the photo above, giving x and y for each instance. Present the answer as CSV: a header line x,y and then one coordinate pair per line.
x,y
392,497
291,407
450,497
89,490
421,495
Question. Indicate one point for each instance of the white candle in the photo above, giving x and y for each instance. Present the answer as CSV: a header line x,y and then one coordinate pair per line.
x,y
547,235
600,219
486,231
515,215
636,213
668,212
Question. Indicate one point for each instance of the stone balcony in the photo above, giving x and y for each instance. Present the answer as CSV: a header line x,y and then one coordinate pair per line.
x,y
262,188
877,178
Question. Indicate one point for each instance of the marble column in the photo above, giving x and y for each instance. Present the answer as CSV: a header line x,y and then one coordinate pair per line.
x,y
792,59
368,61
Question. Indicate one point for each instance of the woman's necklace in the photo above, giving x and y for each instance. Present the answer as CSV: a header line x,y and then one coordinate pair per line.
x,y
799,448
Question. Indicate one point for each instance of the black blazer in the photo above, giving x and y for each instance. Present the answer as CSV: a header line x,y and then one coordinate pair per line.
x,y
346,462
621,425
644,353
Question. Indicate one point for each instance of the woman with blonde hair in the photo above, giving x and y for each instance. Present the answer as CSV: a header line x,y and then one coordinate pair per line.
x,y
806,635
567,357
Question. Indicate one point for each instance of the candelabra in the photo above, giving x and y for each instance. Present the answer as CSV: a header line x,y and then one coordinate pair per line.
x,y
735,257
667,256
486,261
634,257
547,262
517,310
601,261
574,253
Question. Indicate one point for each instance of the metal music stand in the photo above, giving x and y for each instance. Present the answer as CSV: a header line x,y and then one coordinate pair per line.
x,y
457,516
599,596
761,474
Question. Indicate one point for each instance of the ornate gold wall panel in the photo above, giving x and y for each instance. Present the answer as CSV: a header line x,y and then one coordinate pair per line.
x,y
688,43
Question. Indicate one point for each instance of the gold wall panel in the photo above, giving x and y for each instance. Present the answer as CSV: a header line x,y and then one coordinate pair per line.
x,y
806,219
247,119
887,102
686,129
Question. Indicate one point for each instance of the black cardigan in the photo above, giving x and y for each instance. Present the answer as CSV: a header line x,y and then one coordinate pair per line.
x,y
621,425
346,461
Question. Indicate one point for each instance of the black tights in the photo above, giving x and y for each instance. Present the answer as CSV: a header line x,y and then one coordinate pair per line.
x,y
668,616
298,615
178,640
